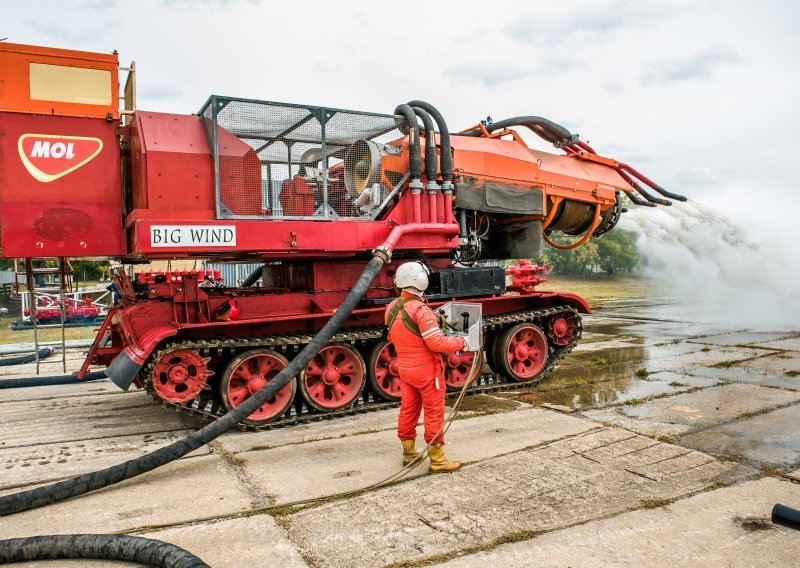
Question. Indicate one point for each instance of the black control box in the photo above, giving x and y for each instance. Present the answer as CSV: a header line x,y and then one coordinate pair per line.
x,y
474,280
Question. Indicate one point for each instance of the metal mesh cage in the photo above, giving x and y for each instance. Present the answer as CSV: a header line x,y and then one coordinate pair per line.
x,y
281,161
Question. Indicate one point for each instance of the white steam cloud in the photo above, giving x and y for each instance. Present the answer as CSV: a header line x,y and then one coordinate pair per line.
x,y
722,272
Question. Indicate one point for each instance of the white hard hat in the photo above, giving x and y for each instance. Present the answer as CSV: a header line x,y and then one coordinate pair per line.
x,y
412,275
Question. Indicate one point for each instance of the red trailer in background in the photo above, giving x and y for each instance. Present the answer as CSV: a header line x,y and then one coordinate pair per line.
x,y
309,192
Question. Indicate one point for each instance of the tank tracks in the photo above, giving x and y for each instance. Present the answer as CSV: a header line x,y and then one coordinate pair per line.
x,y
210,407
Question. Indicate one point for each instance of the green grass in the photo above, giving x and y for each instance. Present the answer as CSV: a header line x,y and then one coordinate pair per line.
x,y
8,335
599,289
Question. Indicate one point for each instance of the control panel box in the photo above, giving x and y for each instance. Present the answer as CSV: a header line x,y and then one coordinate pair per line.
x,y
463,319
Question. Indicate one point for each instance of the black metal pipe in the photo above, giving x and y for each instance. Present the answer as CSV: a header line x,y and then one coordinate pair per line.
x,y
414,152
430,144
786,516
27,358
81,484
51,380
98,546
445,153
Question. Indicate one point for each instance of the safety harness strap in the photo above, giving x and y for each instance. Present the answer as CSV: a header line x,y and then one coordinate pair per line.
x,y
399,309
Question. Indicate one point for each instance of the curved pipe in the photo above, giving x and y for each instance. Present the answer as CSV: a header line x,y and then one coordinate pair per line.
x,y
583,239
445,153
415,155
398,232
82,484
430,144
98,546
556,201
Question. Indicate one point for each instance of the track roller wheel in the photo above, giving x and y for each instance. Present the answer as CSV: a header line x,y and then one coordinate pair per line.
x,y
383,371
334,378
520,352
561,328
246,374
180,375
457,369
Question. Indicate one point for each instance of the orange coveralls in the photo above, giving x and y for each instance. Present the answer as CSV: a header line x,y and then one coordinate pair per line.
x,y
421,367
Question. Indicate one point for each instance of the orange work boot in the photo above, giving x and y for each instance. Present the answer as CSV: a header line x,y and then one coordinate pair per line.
x,y
439,463
410,452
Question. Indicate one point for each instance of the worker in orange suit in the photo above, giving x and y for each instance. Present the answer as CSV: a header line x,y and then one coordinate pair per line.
x,y
414,330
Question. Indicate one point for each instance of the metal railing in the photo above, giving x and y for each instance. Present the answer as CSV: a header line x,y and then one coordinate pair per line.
x,y
282,161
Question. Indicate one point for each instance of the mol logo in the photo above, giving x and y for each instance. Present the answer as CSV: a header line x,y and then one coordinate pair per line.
x,y
48,157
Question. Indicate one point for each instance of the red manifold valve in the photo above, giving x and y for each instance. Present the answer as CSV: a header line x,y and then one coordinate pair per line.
x,y
526,275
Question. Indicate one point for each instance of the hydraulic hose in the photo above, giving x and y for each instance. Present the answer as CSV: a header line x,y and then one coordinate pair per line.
x,y
547,129
445,154
642,191
82,484
51,380
430,146
98,546
28,358
414,152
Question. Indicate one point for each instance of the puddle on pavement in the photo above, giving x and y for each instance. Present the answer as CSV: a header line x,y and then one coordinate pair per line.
x,y
768,439
600,377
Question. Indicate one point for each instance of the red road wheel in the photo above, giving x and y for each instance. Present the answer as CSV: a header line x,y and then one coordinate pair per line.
x,y
383,371
521,352
246,374
562,328
457,369
180,375
334,378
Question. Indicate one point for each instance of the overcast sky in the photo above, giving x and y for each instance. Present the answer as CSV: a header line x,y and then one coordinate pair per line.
x,y
701,96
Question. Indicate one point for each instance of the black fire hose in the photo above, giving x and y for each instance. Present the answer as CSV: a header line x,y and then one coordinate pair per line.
x,y
98,546
51,380
253,278
445,154
27,358
81,484
786,516
414,152
430,144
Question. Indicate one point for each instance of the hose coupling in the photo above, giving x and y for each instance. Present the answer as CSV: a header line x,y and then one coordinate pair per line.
x,y
448,187
384,253
432,187
415,185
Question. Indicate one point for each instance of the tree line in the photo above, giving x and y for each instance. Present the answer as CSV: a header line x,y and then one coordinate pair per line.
x,y
615,253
